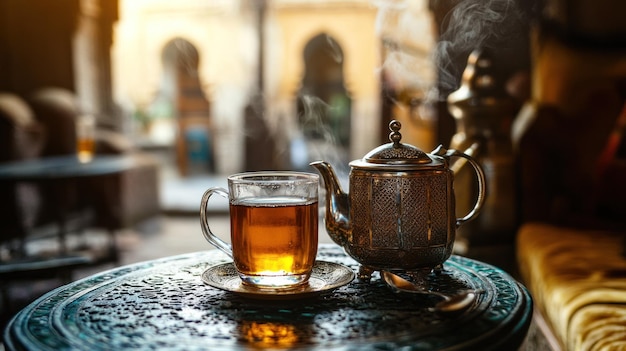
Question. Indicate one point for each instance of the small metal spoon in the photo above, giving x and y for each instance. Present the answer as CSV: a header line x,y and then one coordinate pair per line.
x,y
450,304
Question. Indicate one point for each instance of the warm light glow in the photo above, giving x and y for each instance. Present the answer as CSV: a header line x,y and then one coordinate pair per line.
x,y
266,334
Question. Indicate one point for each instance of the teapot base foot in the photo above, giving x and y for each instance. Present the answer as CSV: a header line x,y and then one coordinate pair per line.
x,y
365,273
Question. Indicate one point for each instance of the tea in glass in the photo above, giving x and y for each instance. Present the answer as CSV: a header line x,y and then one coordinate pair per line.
x,y
85,138
274,239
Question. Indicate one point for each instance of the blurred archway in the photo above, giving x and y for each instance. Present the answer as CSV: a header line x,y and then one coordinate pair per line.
x,y
182,99
324,104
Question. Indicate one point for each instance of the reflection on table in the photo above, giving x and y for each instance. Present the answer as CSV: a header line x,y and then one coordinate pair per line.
x,y
66,195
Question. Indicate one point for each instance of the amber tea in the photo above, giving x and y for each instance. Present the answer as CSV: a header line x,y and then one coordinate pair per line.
x,y
85,138
85,149
274,240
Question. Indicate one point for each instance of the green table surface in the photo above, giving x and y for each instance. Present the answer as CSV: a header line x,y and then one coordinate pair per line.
x,y
164,305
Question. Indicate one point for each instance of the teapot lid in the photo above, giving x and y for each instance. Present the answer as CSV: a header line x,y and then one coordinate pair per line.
x,y
395,154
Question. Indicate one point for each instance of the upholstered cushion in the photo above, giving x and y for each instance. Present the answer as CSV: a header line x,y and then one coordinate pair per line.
x,y
13,107
578,281
125,199
56,109
21,137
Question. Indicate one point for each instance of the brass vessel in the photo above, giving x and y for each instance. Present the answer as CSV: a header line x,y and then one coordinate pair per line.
x,y
399,214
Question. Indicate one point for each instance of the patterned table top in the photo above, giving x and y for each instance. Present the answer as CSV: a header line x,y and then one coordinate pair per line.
x,y
163,304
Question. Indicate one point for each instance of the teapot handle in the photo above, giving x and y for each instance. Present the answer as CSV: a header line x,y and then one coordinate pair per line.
x,y
480,176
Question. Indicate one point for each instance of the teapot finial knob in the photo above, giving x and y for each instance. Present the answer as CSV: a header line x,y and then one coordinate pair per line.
x,y
395,136
393,154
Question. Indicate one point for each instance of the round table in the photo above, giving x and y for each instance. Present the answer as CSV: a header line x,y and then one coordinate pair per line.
x,y
66,167
163,304
66,187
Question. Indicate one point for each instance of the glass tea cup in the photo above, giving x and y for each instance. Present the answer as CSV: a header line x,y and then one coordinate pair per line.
x,y
273,226
85,138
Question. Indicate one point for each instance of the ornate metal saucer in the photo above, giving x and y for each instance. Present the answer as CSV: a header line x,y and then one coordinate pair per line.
x,y
325,277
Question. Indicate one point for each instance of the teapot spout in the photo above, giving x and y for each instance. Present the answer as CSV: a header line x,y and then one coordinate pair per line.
x,y
337,216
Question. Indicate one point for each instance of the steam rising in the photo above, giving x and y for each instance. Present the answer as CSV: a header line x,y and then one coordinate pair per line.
x,y
405,28
321,141
335,50
470,24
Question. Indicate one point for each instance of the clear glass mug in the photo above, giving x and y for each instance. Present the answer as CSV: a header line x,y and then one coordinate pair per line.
x,y
273,226
85,138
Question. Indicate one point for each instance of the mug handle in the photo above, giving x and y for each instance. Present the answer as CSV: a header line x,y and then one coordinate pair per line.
x,y
204,223
480,176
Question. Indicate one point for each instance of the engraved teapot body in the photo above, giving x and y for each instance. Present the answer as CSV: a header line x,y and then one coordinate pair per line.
x,y
399,213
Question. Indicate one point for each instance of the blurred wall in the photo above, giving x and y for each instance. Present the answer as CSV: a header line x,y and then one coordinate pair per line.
x,y
61,43
352,25
36,44
226,35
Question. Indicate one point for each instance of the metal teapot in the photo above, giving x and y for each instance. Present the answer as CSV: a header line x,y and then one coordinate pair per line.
x,y
399,214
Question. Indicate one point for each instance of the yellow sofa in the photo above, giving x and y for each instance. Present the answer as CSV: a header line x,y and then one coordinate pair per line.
x,y
578,282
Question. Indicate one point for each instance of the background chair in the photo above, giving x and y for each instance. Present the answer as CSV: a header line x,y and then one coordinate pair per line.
x,y
21,138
